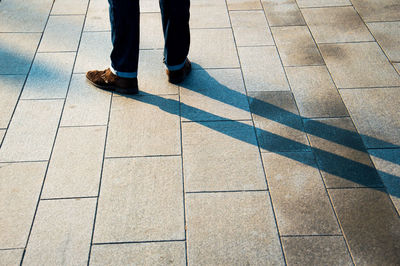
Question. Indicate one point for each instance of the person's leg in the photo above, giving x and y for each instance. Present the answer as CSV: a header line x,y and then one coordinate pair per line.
x,y
124,18
175,19
121,76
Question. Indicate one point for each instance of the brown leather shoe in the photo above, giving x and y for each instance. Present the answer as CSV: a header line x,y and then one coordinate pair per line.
x,y
177,76
106,80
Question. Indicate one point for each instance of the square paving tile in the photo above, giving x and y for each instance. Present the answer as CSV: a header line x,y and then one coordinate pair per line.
x,y
17,52
388,36
151,74
49,76
11,257
61,233
86,105
24,16
231,229
19,194
220,53
144,125
278,123
221,156
76,161
378,10
376,115
162,253
208,14
251,28
322,3
283,13
301,204
340,153
243,4
315,92
150,39
296,46
11,86
316,250
98,18
149,6
336,24
94,52
214,94
147,195
69,7
37,122
262,69
65,28
387,162
370,224
359,65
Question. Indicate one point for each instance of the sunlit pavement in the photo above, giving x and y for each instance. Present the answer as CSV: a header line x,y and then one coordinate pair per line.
x,y
281,147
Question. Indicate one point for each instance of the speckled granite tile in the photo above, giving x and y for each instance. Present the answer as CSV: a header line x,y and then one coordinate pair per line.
x,y
283,13
61,233
11,86
278,124
251,28
342,158
17,52
336,24
301,204
214,94
378,10
316,250
144,125
315,92
162,253
355,65
19,194
221,156
70,34
49,76
147,195
243,4
86,105
296,46
375,114
11,257
76,161
388,36
370,225
232,229
262,69
31,133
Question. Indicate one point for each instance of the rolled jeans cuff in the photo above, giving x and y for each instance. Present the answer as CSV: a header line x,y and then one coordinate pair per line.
x,y
176,67
123,74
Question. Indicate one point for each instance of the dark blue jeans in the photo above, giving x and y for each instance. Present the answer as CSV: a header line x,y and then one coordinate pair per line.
x,y
124,18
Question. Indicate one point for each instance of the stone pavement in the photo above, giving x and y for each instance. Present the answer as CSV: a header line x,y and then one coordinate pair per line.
x,y
282,147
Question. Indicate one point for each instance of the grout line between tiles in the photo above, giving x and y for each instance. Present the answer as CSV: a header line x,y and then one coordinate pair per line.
x,y
138,242
321,235
226,191
183,176
5,249
71,198
141,156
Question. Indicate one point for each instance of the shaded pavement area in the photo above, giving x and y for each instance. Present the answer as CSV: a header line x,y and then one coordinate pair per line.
x,y
282,147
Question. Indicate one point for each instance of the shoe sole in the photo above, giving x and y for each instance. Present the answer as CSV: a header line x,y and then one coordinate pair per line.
x,y
114,88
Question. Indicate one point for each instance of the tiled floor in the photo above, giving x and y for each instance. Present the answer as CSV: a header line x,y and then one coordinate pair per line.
x,y
282,146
